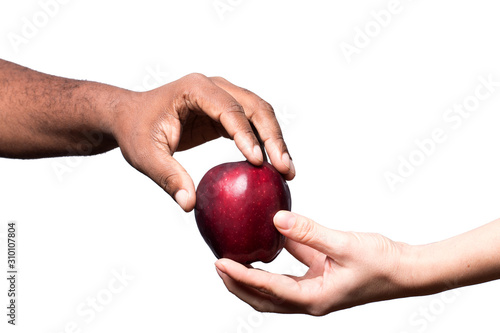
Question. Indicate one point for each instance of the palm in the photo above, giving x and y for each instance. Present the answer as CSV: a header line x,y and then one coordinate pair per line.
x,y
198,129
345,269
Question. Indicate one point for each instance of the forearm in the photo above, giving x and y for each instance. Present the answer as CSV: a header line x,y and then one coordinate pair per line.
x,y
466,259
43,115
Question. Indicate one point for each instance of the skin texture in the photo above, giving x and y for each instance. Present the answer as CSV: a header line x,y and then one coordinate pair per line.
x,y
43,115
235,206
347,269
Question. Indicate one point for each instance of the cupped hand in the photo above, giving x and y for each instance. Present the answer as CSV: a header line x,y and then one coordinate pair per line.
x,y
186,113
345,269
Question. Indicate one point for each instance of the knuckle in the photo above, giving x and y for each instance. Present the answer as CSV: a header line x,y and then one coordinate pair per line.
x,y
258,306
219,79
265,106
247,92
262,109
354,238
234,107
278,145
169,182
317,310
313,305
264,305
195,77
305,232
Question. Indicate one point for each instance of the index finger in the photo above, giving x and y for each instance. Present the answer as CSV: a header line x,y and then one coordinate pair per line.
x,y
262,115
219,105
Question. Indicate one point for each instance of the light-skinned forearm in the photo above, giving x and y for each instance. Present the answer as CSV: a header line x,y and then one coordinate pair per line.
x,y
43,115
470,258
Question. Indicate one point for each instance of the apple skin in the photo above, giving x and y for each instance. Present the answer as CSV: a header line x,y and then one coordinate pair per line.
x,y
235,206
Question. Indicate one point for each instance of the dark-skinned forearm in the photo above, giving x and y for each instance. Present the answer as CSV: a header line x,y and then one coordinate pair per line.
x,y
43,115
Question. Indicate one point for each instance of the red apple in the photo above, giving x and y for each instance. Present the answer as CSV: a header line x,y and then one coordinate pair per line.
x,y
235,206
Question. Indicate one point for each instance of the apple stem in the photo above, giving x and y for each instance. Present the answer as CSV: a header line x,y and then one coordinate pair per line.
x,y
261,143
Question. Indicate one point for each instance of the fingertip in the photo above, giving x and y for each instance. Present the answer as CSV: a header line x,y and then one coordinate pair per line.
x,y
288,162
284,220
220,269
250,148
171,176
282,162
219,265
254,155
285,158
229,267
185,199
258,154
182,197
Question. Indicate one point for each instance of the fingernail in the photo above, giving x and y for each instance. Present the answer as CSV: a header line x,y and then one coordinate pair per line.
x,y
220,267
292,167
284,220
257,152
287,161
182,197
219,272
285,158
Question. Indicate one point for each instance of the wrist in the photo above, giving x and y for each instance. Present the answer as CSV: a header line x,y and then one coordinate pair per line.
x,y
412,275
426,270
122,116
106,106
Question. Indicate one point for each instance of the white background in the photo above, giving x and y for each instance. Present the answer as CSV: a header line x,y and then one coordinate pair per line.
x,y
346,124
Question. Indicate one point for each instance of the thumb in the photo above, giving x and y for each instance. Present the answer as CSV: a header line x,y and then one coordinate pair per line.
x,y
305,231
173,178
